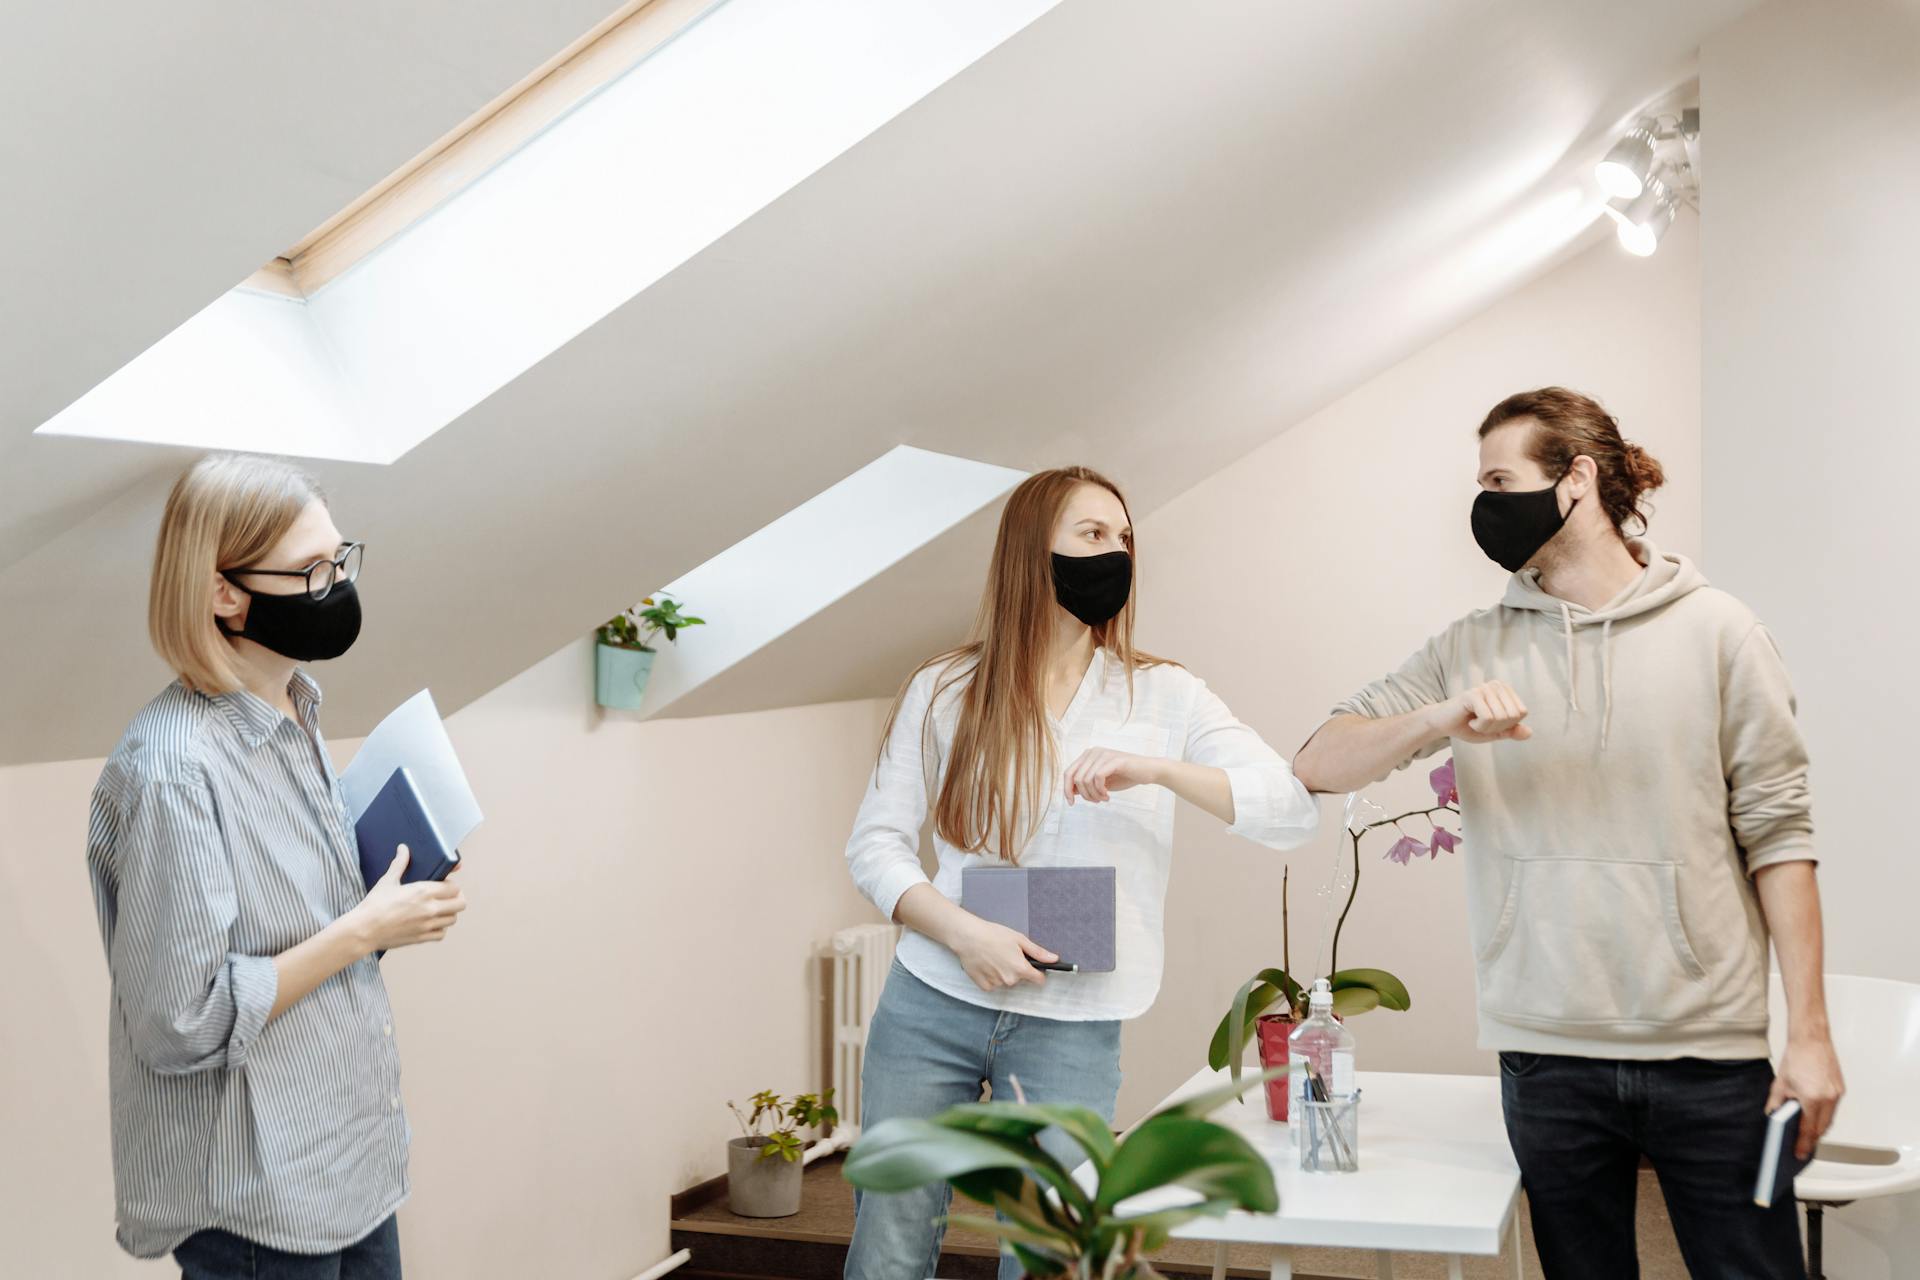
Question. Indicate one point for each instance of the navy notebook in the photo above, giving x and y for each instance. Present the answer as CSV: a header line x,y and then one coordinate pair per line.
x,y
398,817
1779,1166
1068,910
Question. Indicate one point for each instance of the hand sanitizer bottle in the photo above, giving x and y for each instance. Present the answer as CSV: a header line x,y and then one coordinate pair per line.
x,y
1325,1044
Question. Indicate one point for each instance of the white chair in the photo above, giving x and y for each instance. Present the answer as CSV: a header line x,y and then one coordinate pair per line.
x,y
1873,1148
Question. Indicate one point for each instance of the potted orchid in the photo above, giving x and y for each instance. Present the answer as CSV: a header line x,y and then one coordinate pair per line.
x,y
1354,990
623,658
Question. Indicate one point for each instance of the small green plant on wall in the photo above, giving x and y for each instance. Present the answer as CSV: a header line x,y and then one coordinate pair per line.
x,y
636,627
623,660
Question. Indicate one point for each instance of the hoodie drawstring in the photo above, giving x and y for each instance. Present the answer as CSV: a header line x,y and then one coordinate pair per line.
x,y
1606,680
1573,666
1606,672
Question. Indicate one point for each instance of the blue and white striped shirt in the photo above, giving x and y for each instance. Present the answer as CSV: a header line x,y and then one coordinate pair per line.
x,y
219,838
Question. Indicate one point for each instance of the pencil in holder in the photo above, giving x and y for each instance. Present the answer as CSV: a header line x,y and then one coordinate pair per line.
x,y
1327,1134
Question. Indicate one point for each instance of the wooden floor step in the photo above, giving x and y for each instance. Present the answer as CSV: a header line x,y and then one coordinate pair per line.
x,y
812,1244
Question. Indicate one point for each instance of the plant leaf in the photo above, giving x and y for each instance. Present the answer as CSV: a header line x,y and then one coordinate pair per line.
x,y
1254,998
1172,1149
1392,991
1022,1120
1350,1001
1018,1232
1041,1265
907,1152
1161,1222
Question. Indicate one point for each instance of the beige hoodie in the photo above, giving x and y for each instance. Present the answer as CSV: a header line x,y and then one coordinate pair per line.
x,y
1609,857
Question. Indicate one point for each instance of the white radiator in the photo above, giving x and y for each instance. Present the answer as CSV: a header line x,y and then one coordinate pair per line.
x,y
861,957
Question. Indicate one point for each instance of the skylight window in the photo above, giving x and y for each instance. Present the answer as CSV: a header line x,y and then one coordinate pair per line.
x,y
603,171
773,580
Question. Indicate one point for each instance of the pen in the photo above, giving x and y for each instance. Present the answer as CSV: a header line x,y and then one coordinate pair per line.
x,y
1056,966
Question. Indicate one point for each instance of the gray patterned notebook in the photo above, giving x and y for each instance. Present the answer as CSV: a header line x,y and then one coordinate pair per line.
x,y
1067,910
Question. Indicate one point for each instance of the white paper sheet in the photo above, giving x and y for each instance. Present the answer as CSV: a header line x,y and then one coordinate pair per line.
x,y
412,737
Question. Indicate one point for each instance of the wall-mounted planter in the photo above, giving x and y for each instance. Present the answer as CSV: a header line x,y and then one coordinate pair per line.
x,y
620,676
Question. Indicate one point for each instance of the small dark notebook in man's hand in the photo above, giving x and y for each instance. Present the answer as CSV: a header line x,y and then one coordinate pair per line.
x,y
1779,1165
1068,910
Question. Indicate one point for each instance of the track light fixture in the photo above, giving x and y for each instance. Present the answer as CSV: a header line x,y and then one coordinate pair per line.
x,y
1647,180
1624,171
1645,219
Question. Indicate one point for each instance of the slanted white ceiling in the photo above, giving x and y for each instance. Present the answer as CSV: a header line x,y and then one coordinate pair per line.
x,y
153,155
1143,237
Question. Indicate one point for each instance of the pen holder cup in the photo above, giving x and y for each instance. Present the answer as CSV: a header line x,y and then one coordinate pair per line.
x,y
1327,1134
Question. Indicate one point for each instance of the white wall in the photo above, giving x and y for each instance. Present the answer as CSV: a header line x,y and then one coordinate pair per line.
x,y
1319,562
1811,134
644,899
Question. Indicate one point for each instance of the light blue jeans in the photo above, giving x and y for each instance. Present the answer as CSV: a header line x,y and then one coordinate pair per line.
x,y
927,1051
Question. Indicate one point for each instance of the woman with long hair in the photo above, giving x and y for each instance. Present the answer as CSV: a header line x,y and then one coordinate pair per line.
x,y
1047,740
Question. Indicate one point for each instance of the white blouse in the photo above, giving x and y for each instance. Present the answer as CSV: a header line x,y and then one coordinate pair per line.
x,y
1173,714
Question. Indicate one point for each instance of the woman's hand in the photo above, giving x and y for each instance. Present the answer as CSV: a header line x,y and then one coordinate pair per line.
x,y
1099,772
400,915
997,957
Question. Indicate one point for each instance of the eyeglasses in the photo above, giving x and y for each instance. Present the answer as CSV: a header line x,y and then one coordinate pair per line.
x,y
321,576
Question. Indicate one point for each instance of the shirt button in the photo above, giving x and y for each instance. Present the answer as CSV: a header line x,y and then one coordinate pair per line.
x,y
393,1103
387,1030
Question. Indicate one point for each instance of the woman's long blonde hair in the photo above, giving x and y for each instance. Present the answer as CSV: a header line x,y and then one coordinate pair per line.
x,y
227,510
999,766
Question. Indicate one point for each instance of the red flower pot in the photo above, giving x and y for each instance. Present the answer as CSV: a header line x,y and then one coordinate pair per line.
x,y
1272,1031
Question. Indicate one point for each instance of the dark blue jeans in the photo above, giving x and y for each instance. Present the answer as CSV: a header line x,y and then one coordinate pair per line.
x,y
1579,1127
220,1255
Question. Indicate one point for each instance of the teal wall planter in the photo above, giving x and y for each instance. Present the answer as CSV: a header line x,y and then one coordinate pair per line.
x,y
620,676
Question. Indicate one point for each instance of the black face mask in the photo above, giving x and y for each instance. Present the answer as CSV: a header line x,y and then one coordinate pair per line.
x,y
1093,588
1512,527
300,627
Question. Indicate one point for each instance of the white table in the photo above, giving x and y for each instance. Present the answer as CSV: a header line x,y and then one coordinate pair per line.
x,y
1436,1176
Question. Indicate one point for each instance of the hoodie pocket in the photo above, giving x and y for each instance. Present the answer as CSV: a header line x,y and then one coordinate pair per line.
x,y
1592,943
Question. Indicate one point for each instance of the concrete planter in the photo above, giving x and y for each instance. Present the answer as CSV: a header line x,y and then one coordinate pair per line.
x,y
759,1188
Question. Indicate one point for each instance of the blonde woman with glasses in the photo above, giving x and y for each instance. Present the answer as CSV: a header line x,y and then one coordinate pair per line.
x,y
257,1126
1047,741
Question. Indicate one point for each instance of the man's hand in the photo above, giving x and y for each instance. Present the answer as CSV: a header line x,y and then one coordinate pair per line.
x,y
1491,712
1810,1073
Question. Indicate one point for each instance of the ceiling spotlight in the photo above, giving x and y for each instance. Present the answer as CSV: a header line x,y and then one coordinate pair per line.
x,y
1644,220
1624,171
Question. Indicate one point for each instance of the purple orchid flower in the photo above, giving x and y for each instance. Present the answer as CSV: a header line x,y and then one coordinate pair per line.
x,y
1445,789
1405,850
1442,839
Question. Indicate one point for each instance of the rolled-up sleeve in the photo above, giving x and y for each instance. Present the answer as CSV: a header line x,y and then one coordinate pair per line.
x,y
883,853
1421,681
188,1001
1768,799
1270,806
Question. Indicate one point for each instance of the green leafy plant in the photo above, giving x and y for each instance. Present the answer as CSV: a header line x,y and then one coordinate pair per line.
x,y
774,1124
1057,1228
636,627
1354,990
